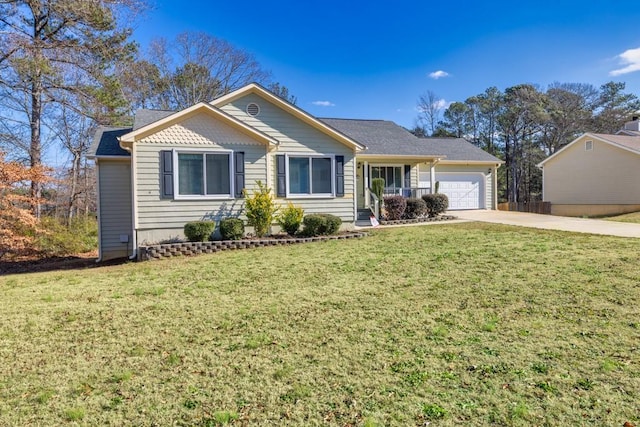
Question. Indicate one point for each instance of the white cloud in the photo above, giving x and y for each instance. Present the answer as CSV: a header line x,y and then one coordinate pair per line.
x,y
438,74
324,103
441,104
630,58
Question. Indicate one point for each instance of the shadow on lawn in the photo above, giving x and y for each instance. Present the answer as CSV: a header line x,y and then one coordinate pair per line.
x,y
78,262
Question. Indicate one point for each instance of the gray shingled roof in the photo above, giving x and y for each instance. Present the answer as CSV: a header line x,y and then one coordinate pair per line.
x,y
381,137
144,117
385,138
105,142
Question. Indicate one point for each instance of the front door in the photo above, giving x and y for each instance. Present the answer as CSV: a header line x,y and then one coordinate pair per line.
x,y
360,186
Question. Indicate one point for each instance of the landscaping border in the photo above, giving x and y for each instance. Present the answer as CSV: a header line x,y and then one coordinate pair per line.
x,y
168,250
419,220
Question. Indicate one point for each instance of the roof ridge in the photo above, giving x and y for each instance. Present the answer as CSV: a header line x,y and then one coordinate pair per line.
x,y
359,120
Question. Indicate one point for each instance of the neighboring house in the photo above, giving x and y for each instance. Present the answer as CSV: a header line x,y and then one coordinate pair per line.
x,y
596,174
175,167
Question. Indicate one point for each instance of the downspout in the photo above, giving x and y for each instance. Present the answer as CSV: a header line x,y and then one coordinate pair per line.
x,y
98,211
134,217
128,146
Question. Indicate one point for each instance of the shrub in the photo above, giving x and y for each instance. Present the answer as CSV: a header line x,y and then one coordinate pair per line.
x,y
395,207
260,209
290,218
416,208
321,224
58,239
377,186
232,228
199,231
436,203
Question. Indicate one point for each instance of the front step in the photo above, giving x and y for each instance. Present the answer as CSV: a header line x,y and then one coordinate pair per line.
x,y
364,214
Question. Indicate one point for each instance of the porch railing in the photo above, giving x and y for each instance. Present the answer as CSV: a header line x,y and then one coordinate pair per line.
x,y
374,204
414,192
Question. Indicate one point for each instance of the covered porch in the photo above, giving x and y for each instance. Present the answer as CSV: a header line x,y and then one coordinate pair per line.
x,y
407,177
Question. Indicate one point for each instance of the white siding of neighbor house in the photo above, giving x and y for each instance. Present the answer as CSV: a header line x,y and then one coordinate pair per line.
x,y
163,219
114,181
604,175
297,137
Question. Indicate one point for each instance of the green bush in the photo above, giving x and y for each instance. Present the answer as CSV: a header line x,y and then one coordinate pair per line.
x,y
58,239
394,207
232,229
321,224
290,218
377,186
199,231
260,209
436,203
416,208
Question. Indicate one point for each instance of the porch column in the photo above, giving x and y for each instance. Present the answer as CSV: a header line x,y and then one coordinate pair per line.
x,y
432,176
494,181
365,179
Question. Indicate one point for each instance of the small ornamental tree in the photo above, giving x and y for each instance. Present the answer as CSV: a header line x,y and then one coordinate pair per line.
x,y
260,209
18,225
377,186
290,218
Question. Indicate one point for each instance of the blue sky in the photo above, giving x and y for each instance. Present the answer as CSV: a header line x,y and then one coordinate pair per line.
x,y
373,59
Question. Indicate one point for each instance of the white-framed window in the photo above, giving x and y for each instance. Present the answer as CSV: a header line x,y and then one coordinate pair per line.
x,y
392,175
311,175
203,174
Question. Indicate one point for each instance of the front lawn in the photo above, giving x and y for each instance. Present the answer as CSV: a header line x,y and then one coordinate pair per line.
x,y
459,324
629,217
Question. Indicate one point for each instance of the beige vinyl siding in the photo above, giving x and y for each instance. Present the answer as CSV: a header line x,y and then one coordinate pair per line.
x,y
296,137
603,175
160,219
115,208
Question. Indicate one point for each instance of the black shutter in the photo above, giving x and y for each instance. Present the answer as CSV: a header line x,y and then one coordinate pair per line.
x,y
238,173
339,176
282,176
166,174
407,176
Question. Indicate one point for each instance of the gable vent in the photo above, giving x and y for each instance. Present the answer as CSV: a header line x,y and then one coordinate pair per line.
x,y
588,145
253,109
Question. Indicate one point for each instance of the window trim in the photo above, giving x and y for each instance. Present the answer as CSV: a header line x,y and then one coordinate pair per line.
x,y
203,151
332,179
388,165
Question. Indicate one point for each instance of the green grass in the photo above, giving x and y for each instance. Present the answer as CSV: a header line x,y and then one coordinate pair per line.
x,y
466,324
629,217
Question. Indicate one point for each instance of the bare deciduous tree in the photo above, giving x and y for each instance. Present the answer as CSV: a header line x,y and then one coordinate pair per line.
x,y
430,107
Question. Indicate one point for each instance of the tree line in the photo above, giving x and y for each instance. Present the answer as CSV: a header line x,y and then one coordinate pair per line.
x,y
69,66
524,124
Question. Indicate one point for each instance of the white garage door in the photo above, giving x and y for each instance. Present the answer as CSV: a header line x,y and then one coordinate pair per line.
x,y
464,190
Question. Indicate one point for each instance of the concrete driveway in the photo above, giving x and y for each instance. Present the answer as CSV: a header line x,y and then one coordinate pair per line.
x,y
549,222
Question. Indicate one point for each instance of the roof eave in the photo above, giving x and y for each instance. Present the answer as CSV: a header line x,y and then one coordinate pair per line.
x,y
474,162
401,156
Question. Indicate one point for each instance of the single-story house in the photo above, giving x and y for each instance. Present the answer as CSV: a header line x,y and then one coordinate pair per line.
x,y
172,167
596,174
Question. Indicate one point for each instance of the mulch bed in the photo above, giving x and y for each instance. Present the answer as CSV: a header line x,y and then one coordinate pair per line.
x,y
34,264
